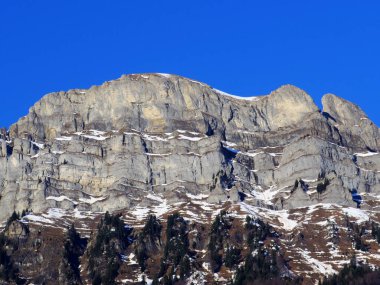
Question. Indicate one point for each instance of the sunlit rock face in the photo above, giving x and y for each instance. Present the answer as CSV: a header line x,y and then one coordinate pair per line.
x,y
111,146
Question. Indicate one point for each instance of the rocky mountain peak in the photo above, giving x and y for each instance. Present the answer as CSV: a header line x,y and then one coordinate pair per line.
x,y
169,146
292,91
350,119
288,105
342,110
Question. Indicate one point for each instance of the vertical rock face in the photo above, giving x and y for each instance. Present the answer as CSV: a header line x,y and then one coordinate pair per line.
x,y
351,121
111,146
287,106
156,103
3,151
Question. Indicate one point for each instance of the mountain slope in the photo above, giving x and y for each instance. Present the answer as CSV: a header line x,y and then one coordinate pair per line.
x,y
159,143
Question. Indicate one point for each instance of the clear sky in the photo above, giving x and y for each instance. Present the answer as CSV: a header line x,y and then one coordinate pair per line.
x,y
241,47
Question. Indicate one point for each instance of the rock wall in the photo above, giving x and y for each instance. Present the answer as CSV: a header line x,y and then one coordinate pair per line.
x,y
109,147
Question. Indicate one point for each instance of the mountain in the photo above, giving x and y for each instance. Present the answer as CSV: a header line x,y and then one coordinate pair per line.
x,y
201,161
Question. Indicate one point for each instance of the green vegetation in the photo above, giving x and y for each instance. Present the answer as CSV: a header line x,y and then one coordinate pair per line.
x,y
176,257
74,248
300,182
233,256
219,229
147,240
260,263
258,267
353,274
177,242
112,239
321,186
295,185
8,271
356,232
258,231
251,253
376,232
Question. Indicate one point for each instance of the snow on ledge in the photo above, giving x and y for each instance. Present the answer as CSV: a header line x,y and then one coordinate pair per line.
x,y
64,138
165,75
98,138
316,265
195,139
253,98
153,138
197,197
39,145
155,198
365,154
356,213
92,199
157,154
93,134
34,218
59,198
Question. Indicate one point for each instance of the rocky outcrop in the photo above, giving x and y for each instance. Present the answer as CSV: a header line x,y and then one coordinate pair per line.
x,y
112,146
352,122
157,103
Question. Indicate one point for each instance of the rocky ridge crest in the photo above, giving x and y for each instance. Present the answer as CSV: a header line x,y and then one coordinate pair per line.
x,y
108,147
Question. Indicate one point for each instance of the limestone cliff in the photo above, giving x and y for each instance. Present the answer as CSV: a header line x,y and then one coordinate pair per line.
x,y
110,147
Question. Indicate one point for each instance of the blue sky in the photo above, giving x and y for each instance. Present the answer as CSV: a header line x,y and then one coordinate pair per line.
x,y
242,47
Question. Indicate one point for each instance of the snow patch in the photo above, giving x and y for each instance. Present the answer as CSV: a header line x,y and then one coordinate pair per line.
x,y
165,75
140,212
39,145
34,218
197,197
282,216
55,213
98,138
229,144
266,195
64,138
93,134
153,138
288,224
366,154
310,180
161,209
132,259
155,198
325,206
182,137
158,154
253,98
318,266
59,198
356,213
92,199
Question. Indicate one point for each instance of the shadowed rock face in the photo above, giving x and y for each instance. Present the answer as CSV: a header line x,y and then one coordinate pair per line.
x,y
109,147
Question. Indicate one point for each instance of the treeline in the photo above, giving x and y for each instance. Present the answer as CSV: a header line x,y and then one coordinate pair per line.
x,y
8,270
354,274
106,249
171,254
263,263
74,248
172,260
